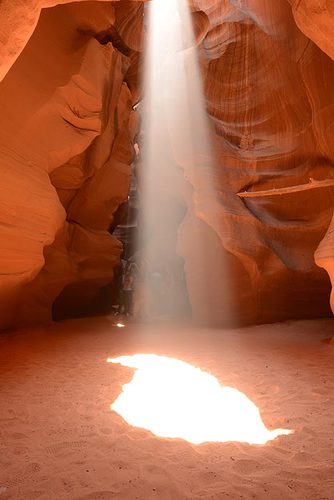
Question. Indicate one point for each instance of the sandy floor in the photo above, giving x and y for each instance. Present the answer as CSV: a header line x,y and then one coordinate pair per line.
x,y
59,438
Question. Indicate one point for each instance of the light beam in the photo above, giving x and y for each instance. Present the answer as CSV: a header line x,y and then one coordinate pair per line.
x,y
176,161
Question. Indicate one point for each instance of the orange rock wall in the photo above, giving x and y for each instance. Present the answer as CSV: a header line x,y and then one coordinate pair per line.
x,y
270,96
66,146
66,142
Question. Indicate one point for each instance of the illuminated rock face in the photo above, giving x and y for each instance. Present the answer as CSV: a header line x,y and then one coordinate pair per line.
x,y
20,17
66,146
315,18
269,97
66,143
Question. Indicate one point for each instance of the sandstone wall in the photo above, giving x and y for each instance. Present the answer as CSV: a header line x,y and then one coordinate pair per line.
x,y
270,97
66,145
66,142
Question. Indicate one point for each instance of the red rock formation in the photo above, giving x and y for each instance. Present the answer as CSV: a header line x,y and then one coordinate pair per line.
x,y
315,18
67,130
66,142
19,19
268,93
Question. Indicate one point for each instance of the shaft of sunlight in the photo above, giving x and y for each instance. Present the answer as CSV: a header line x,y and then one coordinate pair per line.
x,y
175,154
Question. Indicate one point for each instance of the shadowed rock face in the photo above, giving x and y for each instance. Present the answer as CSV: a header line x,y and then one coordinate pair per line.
x,y
67,130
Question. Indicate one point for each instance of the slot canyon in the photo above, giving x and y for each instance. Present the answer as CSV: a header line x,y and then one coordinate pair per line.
x,y
192,146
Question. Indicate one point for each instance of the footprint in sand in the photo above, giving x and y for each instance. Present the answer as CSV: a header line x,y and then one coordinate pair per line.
x,y
18,435
99,495
59,448
174,399
26,475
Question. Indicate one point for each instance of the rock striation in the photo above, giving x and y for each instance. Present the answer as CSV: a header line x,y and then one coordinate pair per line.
x,y
66,145
67,134
270,103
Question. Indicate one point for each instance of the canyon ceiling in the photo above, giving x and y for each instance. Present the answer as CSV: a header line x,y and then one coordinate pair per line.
x,y
67,136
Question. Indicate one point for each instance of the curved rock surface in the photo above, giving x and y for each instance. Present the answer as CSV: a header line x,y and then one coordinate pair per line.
x,y
67,130
269,97
66,134
315,18
20,17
